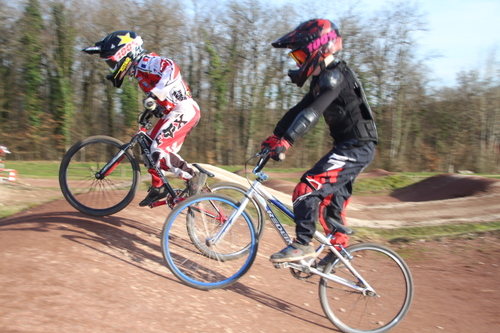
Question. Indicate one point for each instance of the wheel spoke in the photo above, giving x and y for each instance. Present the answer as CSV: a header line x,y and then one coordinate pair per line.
x,y
89,194
189,254
387,274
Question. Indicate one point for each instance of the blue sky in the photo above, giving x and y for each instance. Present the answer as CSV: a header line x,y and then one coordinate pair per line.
x,y
462,32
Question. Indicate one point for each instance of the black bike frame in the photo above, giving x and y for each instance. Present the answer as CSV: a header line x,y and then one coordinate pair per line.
x,y
144,141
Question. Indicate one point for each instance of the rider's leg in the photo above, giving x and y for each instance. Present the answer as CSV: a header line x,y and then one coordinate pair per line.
x,y
333,175
169,134
334,206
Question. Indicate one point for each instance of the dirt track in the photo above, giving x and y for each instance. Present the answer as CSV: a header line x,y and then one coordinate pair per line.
x,y
64,271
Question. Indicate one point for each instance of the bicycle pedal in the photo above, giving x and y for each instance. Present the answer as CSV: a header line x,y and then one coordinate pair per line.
x,y
279,265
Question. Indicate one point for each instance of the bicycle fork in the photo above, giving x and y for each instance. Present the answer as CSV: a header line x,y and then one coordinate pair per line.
x,y
111,165
226,226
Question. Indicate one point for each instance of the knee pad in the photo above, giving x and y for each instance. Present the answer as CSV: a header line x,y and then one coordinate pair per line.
x,y
300,190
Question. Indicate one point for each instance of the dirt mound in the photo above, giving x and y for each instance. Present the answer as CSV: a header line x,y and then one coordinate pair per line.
x,y
440,187
376,173
447,186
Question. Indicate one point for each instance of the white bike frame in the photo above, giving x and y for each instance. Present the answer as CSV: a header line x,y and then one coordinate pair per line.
x,y
265,198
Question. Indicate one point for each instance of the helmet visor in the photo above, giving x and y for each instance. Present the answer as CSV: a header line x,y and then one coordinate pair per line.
x,y
299,56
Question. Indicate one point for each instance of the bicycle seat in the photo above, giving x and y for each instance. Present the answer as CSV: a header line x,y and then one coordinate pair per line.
x,y
205,171
340,227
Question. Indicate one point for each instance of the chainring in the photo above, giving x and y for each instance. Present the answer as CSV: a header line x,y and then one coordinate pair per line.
x,y
300,275
170,199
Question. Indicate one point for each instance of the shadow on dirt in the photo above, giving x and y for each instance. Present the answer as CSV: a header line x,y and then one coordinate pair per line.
x,y
117,238
116,233
276,303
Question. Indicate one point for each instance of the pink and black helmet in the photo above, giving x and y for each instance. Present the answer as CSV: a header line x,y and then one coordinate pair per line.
x,y
311,42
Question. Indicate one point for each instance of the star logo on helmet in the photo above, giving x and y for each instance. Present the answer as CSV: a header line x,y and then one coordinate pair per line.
x,y
125,39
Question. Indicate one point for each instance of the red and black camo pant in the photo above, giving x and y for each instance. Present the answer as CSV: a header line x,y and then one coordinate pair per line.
x,y
325,189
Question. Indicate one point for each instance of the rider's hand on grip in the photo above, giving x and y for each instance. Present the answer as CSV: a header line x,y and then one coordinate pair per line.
x,y
278,153
270,142
277,147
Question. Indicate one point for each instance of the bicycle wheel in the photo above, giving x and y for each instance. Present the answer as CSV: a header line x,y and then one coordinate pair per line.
x,y
196,229
238,192
93,196
221,262
386,272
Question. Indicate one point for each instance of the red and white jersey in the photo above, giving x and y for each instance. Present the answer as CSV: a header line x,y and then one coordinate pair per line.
x,y
162,77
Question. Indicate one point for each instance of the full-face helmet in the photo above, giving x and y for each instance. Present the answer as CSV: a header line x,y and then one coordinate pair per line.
x,y
119,49
311,42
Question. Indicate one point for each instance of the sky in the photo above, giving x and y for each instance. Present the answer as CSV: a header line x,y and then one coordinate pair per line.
x,y
462,32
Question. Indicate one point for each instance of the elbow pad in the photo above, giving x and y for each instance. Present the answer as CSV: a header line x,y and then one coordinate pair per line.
x,y
306,120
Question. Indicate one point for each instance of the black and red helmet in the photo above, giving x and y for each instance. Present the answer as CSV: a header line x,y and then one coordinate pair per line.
x,y
311,42
119,49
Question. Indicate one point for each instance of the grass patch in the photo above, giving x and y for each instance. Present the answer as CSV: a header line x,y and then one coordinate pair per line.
x,y
6,211
232,168
419,175
381,185
34,169
405,235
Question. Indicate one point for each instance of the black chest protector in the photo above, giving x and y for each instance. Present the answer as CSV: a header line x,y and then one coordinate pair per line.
x,y
349,116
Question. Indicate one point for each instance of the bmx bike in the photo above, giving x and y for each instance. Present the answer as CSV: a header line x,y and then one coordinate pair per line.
x,y
100,175
209,241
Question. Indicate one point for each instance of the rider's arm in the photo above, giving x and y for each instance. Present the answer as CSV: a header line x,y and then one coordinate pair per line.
x,y
288,118
170,75
330,85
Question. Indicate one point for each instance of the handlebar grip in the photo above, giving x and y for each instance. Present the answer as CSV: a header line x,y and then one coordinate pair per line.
x,y
150,105
265,155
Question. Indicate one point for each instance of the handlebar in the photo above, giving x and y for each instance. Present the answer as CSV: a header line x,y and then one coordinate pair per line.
x,y
264,156
144,116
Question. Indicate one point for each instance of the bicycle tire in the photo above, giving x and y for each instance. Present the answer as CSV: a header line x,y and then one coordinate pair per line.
x,y
86,193
197,236
386,272
238,192
213,270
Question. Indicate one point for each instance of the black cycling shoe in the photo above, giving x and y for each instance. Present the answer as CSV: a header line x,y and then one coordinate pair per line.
x,y
155,194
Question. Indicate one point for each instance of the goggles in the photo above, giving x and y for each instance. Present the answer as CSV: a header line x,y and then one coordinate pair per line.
x,y
299,56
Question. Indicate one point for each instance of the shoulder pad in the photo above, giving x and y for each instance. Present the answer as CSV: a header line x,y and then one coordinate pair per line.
x,y
330,78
